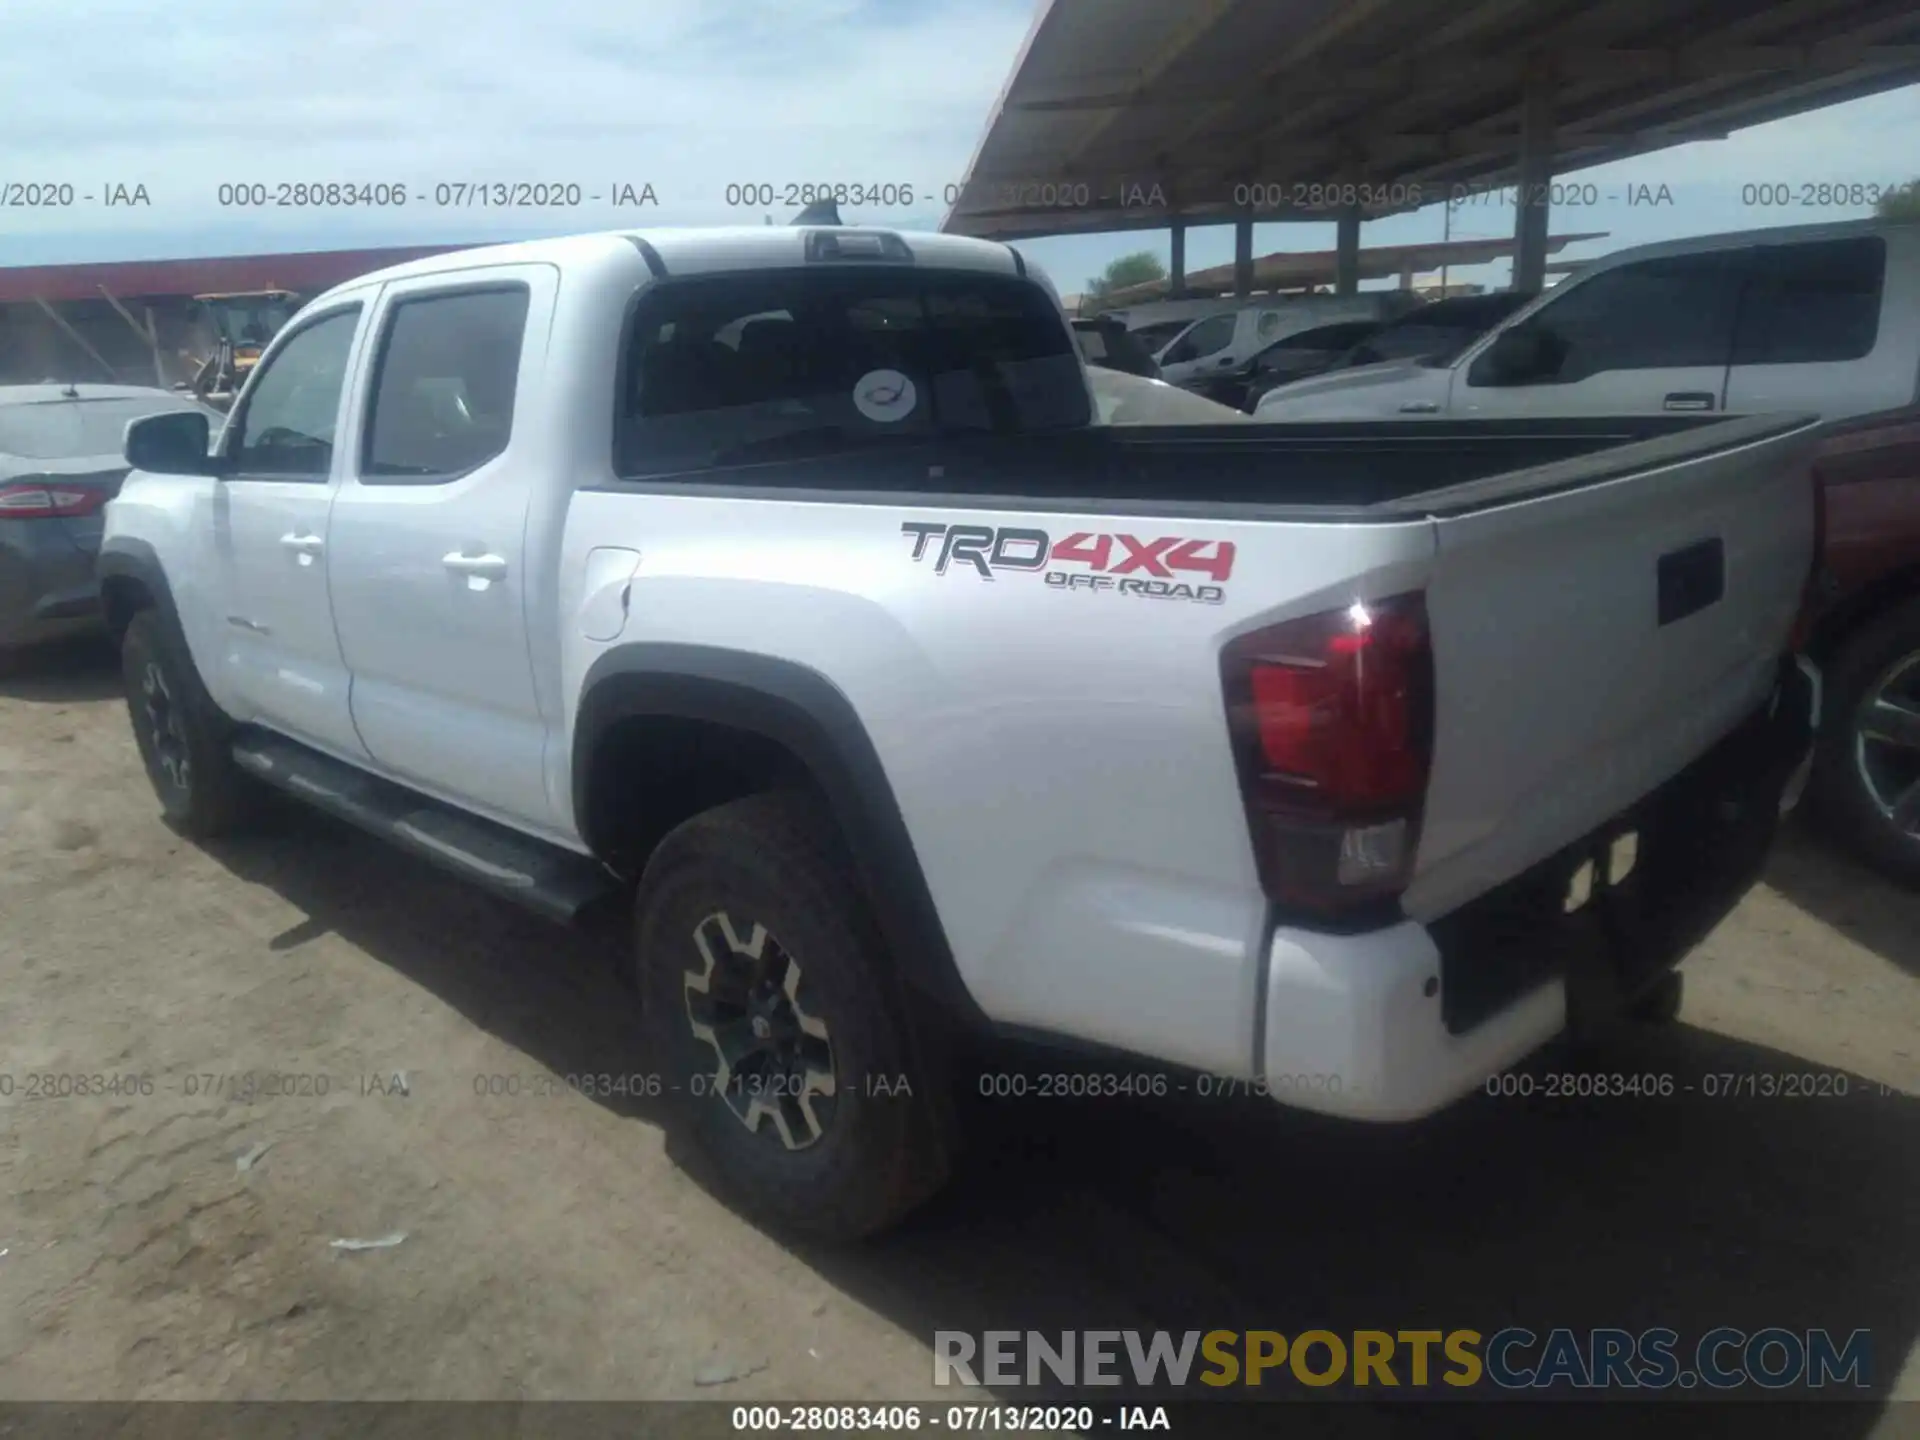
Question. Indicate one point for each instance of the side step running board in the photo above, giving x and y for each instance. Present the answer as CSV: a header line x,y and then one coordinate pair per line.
x,y
551,881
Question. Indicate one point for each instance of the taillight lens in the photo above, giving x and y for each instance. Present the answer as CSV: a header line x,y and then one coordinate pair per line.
x,y
48,501
1814,596
1331,717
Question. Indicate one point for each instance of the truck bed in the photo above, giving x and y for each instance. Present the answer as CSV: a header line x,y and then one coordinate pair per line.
x,y
1606,600
1365,469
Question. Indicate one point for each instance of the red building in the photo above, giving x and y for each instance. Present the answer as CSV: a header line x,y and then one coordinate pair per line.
x,y
133,322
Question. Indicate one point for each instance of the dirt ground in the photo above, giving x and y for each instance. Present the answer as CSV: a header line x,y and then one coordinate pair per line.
x,y
554,1249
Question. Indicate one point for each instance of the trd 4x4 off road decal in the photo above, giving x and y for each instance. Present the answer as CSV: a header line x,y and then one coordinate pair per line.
x,y
1124,564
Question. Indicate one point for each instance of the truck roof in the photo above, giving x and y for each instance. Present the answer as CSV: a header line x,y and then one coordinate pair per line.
x,y
695,251
1732,239
85,390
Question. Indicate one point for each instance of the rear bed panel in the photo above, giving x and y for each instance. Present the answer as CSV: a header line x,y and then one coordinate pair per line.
x,y
1562,695
1059,753
1057,740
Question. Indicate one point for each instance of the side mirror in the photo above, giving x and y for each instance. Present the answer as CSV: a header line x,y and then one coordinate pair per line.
x,y
175,443
1516,357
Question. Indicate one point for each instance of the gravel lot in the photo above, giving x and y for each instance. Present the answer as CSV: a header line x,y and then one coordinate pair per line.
x,y
554,1249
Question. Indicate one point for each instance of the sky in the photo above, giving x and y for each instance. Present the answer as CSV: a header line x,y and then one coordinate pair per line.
x,y
118,97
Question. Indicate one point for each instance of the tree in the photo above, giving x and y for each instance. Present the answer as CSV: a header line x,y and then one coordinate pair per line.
x,y
1139,268
1900,203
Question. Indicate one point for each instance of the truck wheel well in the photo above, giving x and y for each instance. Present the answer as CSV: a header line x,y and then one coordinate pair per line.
x,y
650,772
121,598
1862,608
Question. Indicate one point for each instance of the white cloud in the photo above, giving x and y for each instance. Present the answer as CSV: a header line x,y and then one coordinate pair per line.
x,y
687,95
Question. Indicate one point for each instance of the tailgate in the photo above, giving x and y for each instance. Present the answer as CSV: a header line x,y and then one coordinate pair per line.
x,y
1589,644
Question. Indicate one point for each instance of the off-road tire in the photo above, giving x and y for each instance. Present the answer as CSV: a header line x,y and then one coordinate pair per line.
x,y
1838,795
776,860
209,794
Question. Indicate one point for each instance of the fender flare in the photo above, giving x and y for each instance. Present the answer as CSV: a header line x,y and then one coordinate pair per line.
x,y
135,559
800,709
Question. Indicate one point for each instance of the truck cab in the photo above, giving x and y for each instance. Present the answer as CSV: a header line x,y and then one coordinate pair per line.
x,y
782,588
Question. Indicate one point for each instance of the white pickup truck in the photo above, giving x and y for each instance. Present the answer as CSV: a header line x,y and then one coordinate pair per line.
x,y
1822,319
777,584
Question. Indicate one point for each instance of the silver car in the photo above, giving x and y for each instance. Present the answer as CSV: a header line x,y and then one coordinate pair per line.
x,y
60,462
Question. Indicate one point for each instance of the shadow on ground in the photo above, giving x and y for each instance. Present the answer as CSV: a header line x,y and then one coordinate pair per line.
x,y
556,994
1686,1212
1833,887
62,674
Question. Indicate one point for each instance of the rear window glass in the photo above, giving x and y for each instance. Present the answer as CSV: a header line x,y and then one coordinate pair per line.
x,y
1413,342
798,364
73,429
1812,304
443,402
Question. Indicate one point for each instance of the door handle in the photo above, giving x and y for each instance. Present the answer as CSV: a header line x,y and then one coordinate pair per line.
x,y
1688,400
303,544
483,567
1420,407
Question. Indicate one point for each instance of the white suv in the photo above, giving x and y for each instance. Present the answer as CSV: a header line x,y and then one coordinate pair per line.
x,y
1819,318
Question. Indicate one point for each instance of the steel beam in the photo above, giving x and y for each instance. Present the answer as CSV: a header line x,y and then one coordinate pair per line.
x,y
1531,210
1346,253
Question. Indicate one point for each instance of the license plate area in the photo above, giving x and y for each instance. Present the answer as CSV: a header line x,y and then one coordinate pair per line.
x,y
1627,901
1611,866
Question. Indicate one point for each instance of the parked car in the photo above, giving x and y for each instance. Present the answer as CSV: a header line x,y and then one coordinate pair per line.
x,y
1864,624
1294,357
1440,331
899,699
60,462
1226,340
1156,335
1819,318
1122,399
1107,344
1434,335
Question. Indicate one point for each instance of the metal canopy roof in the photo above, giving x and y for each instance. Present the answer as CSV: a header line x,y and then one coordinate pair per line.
x,y
1295,269
1109,98
307,272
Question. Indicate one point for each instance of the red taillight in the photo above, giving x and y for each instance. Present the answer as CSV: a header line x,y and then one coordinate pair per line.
x,y
49,501
1332,720
1814,597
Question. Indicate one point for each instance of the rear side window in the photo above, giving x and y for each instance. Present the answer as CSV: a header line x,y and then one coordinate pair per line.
x,y
1328,337
1153,337
796,364
443,390
1672,312
1209,337
1808,304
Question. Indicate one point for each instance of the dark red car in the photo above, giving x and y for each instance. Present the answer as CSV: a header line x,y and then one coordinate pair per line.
x,y
1864,619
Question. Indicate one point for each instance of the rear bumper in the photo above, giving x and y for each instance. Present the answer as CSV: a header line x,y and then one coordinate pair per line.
x,y
48,588
1395,1023
1353,1026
